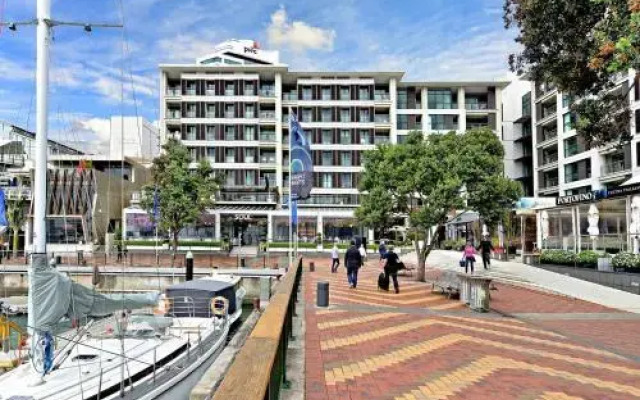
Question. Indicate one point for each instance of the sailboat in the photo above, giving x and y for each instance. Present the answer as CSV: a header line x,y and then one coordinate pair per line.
x,y
143,346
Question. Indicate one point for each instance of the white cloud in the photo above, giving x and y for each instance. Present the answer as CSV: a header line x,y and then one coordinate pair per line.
x,y
298,35
10,70
186,47
96,132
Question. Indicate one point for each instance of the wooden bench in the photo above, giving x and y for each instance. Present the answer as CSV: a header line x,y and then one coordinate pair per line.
x,y
448,283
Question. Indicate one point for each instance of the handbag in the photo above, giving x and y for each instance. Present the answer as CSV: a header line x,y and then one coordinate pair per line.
x,y
463,263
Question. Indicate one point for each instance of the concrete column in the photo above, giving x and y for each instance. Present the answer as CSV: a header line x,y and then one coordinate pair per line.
x,y
320,225
370,235
393,110
269,228
575,228
578,238
217,218
499,112
523,230
462,118
539,230
279,170
424,99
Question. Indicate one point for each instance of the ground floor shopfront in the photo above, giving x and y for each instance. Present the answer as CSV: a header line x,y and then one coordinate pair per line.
x,y
600,220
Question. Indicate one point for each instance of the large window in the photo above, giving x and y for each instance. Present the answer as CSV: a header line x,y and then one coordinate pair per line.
x,y
345,136
250,111
306,93
327,136
571,147
365,115
346,181
326,93
230,156
250,156
327,158
229,133
364,93
345,159
526,104
307,115
250,178
325,115
402,99
345,94
65,230
210,133
345,115
327,180
191,133
191,110
440,99
441,122
568,121
229,111
139,225
229,89
249,133
249,89
211,111
402,121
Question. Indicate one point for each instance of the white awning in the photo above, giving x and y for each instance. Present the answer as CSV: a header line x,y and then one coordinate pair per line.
x,y
632,181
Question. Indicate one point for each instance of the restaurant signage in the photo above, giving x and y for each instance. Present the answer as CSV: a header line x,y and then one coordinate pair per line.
x,y
595,195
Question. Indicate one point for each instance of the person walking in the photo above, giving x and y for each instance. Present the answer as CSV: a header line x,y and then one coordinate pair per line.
x,y
353,262
469,255
382,249
363,253
335,259
485,248
391,265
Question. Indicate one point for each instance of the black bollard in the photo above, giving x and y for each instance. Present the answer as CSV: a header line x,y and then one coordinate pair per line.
x,y
312,266
189,265
322,295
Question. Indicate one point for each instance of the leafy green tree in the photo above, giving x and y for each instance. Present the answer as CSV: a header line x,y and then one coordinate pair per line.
x,y
579,45
427,178
182,194
16,217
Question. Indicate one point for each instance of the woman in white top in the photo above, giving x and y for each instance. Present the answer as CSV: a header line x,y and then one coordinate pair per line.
x,y
335,259
363,253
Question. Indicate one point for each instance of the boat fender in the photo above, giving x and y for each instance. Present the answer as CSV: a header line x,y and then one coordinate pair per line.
x,y
219,306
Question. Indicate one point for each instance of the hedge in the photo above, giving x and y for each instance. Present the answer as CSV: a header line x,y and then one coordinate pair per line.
x,y
181,243
627,261
285,245
584,259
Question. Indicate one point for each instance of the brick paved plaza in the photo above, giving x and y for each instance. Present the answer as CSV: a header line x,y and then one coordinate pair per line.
x,y
419,345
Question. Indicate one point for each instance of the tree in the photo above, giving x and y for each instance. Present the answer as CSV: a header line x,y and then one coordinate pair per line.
x,y
425,179
16,217
178,194
578,46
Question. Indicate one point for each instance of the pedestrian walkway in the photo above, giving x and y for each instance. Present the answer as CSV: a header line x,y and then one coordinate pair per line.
x,y
419,345
519,273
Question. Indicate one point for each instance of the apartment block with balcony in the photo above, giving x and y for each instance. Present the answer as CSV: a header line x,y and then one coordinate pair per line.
x,y
231,108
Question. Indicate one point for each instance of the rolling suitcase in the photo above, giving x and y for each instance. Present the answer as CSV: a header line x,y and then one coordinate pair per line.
x,y
383,281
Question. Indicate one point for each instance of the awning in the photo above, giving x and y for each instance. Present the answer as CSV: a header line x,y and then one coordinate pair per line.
x,y
464,218
634,180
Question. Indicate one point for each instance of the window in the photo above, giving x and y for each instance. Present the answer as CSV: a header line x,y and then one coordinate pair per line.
x,y
191,133
638,120
441,99
211,89
571,147
345,136
250,155
365,136
191,89
327,181
441,122
365,116
345,115
526,104
402,99
402,138
211,154
229,133
191,110
307,93
326,93
229,89
250,178
327,136
345,93
249,133
231,178
568,120
229,111
364,93
193,154
346,181
250,111
230,156
307,115
566,100
327,158
526,130
211,111
345,159
325,115
249,89
210,133
402,121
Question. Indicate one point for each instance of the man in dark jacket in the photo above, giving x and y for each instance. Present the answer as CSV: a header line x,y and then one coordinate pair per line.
x,y
485,248
391,265
353,261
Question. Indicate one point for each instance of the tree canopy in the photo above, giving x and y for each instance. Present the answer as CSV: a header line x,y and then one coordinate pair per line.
x,y
179,194
579,46
427,178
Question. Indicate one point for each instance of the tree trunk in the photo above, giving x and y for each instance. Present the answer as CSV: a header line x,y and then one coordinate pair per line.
x,y
423,253
174,248
16,239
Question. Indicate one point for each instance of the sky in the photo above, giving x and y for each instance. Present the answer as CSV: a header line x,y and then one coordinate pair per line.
x,y
115,71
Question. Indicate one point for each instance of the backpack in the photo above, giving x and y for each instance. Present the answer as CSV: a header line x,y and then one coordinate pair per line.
x,y
383,281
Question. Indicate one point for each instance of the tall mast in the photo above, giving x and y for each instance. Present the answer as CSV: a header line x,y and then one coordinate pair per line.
x,y
42,127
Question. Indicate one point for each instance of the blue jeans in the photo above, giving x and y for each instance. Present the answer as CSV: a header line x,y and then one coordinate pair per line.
x,y
352,276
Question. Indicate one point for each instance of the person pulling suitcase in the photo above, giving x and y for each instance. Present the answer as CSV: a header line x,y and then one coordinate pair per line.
x,y
390,265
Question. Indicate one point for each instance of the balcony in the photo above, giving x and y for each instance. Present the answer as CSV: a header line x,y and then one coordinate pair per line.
x,y
210,92
547,138
249,114
229,92
381,140
190,114
229,115
382,97
382,119
247,197
267,92
473,125
615,168
211,114
550,183
476,106
173,91
173,114
269,137
549,161
291,96
190,92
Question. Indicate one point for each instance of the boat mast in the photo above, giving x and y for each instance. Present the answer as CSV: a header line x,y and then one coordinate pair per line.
x,y
43,41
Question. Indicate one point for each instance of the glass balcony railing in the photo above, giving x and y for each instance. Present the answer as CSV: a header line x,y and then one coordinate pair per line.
x,y
173,114
290,96
267,136
229,115
267,92
549,136
249,114
476,106
615,167
382,119
270,115
190,114
549,159
229,92
550,183
173,91
247,197
190,92
471,125
210,92
382,96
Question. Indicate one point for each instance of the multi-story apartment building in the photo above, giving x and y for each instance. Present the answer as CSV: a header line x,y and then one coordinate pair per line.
x,y
231,108
585,180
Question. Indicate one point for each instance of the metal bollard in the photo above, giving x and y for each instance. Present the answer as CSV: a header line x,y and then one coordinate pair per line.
x,y
312,266
322,295
189,266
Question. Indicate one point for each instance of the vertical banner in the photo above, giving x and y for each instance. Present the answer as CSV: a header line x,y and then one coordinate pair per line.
x,y
301,165
4,224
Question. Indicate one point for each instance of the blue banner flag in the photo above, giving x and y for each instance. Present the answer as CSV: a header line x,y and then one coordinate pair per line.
x,y
301,166
3,212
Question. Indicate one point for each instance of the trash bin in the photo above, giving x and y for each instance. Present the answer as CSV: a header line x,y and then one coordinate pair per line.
x,y
312,266
322,298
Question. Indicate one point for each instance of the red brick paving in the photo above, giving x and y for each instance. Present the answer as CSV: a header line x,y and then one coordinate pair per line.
x,y
419,367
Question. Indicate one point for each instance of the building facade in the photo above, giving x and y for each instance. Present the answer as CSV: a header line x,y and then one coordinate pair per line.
x,y
140,141
231,108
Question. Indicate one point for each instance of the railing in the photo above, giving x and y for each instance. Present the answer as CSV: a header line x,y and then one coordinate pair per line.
x,y
247,197
173,91
290,96
259,369
173,114
229,115
190,92
614,168
267,136
549,160
268,115
16,192
210,92
550,183
382,119
190,114
477,125
382,97
476,106
267,93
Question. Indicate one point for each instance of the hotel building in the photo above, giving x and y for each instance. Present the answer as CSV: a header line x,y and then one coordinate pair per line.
x,y
231,108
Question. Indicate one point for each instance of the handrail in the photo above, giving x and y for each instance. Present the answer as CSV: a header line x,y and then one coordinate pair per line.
x,y
258,369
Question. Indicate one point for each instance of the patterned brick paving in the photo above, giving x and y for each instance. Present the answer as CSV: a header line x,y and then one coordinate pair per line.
x,y
419,345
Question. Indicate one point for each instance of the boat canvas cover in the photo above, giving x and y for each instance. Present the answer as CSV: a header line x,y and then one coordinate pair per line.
x,y
193,298
55,296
